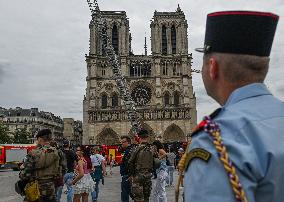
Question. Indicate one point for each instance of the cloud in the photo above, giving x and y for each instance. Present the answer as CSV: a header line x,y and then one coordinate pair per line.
x,y
43,43
4,66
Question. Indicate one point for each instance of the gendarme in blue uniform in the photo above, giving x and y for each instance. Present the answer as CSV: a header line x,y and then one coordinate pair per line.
x,y
252,128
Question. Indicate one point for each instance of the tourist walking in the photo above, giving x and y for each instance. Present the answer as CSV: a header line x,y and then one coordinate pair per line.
x,y
83,182
71,159
111,163
63,168
171,160
159,190
99,170
125,183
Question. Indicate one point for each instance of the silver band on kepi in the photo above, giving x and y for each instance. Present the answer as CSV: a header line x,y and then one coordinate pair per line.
x,y
206,49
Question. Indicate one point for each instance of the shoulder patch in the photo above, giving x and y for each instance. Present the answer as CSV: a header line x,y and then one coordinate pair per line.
x,y
197,153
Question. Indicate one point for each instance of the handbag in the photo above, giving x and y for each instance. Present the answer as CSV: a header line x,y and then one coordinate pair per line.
x,y
32,191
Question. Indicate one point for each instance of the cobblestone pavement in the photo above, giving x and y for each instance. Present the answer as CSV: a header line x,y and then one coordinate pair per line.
x,y
110,192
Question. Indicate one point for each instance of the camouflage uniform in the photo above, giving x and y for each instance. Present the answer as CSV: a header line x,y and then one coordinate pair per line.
x,y
140,168
43,164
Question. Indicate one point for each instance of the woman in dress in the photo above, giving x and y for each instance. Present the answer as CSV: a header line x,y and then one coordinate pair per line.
x,y
159,191
83,182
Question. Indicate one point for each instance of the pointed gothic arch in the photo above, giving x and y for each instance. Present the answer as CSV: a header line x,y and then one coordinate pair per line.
x,y
176,98
103,100
114,100
115,38
173,133
167,97
173,39
103,45
164,40
108,137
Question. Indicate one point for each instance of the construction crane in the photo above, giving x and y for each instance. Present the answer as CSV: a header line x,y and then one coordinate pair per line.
x,y
114,63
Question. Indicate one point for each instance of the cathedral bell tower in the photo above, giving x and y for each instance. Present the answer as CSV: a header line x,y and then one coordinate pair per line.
x,y
98,71
169,33
169,43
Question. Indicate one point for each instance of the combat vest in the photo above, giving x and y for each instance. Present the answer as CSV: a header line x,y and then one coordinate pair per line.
x,y
47,162
144,158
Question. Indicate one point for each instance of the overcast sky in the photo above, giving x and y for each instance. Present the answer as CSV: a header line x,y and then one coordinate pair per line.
x,y
43,43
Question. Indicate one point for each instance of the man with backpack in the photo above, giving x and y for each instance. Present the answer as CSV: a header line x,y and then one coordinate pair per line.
x,y
41,167
140,169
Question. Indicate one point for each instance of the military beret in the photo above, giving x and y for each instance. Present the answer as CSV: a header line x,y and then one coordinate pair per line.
x,y
240,32
66,142
43,132
143,133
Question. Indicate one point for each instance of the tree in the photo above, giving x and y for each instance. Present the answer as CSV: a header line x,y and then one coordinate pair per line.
x,y
4,135
22,136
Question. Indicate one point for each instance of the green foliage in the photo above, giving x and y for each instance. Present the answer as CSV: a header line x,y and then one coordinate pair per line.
x,y
22,136
4,135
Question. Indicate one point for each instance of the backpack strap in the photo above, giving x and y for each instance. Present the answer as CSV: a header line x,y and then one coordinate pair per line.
x,y
133,159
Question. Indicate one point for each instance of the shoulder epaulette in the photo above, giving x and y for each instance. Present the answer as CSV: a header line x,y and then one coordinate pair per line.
x,y
200,126
215,113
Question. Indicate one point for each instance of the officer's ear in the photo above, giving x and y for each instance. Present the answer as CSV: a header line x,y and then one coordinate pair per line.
x,y
213,68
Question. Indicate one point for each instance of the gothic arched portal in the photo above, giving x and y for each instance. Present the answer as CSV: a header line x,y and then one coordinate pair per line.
x,y
108,137
173,133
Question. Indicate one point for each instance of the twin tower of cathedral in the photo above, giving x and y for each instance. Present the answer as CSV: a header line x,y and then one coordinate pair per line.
x,y
159,83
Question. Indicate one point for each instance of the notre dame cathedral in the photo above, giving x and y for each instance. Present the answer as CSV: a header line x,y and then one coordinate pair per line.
x,y
159,83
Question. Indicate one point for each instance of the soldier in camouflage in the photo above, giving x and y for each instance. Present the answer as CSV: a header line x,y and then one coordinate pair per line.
x,y
140,168
43,164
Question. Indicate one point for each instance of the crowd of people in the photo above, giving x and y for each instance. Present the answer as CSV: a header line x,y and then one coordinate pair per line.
x,y
143,164
81,169
51,168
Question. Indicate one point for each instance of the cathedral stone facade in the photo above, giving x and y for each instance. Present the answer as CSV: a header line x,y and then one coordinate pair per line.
x,y
159,83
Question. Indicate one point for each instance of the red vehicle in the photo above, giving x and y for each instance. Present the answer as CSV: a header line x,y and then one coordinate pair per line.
x,y
114,150
107,150
12,155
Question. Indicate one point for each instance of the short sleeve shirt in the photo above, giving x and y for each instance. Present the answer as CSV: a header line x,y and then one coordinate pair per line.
x,y
97,159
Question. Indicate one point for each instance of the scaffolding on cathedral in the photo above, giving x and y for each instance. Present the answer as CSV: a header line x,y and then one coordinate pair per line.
x,y
113,61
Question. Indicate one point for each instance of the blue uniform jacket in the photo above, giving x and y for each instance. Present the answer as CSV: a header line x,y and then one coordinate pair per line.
x,y
252,128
